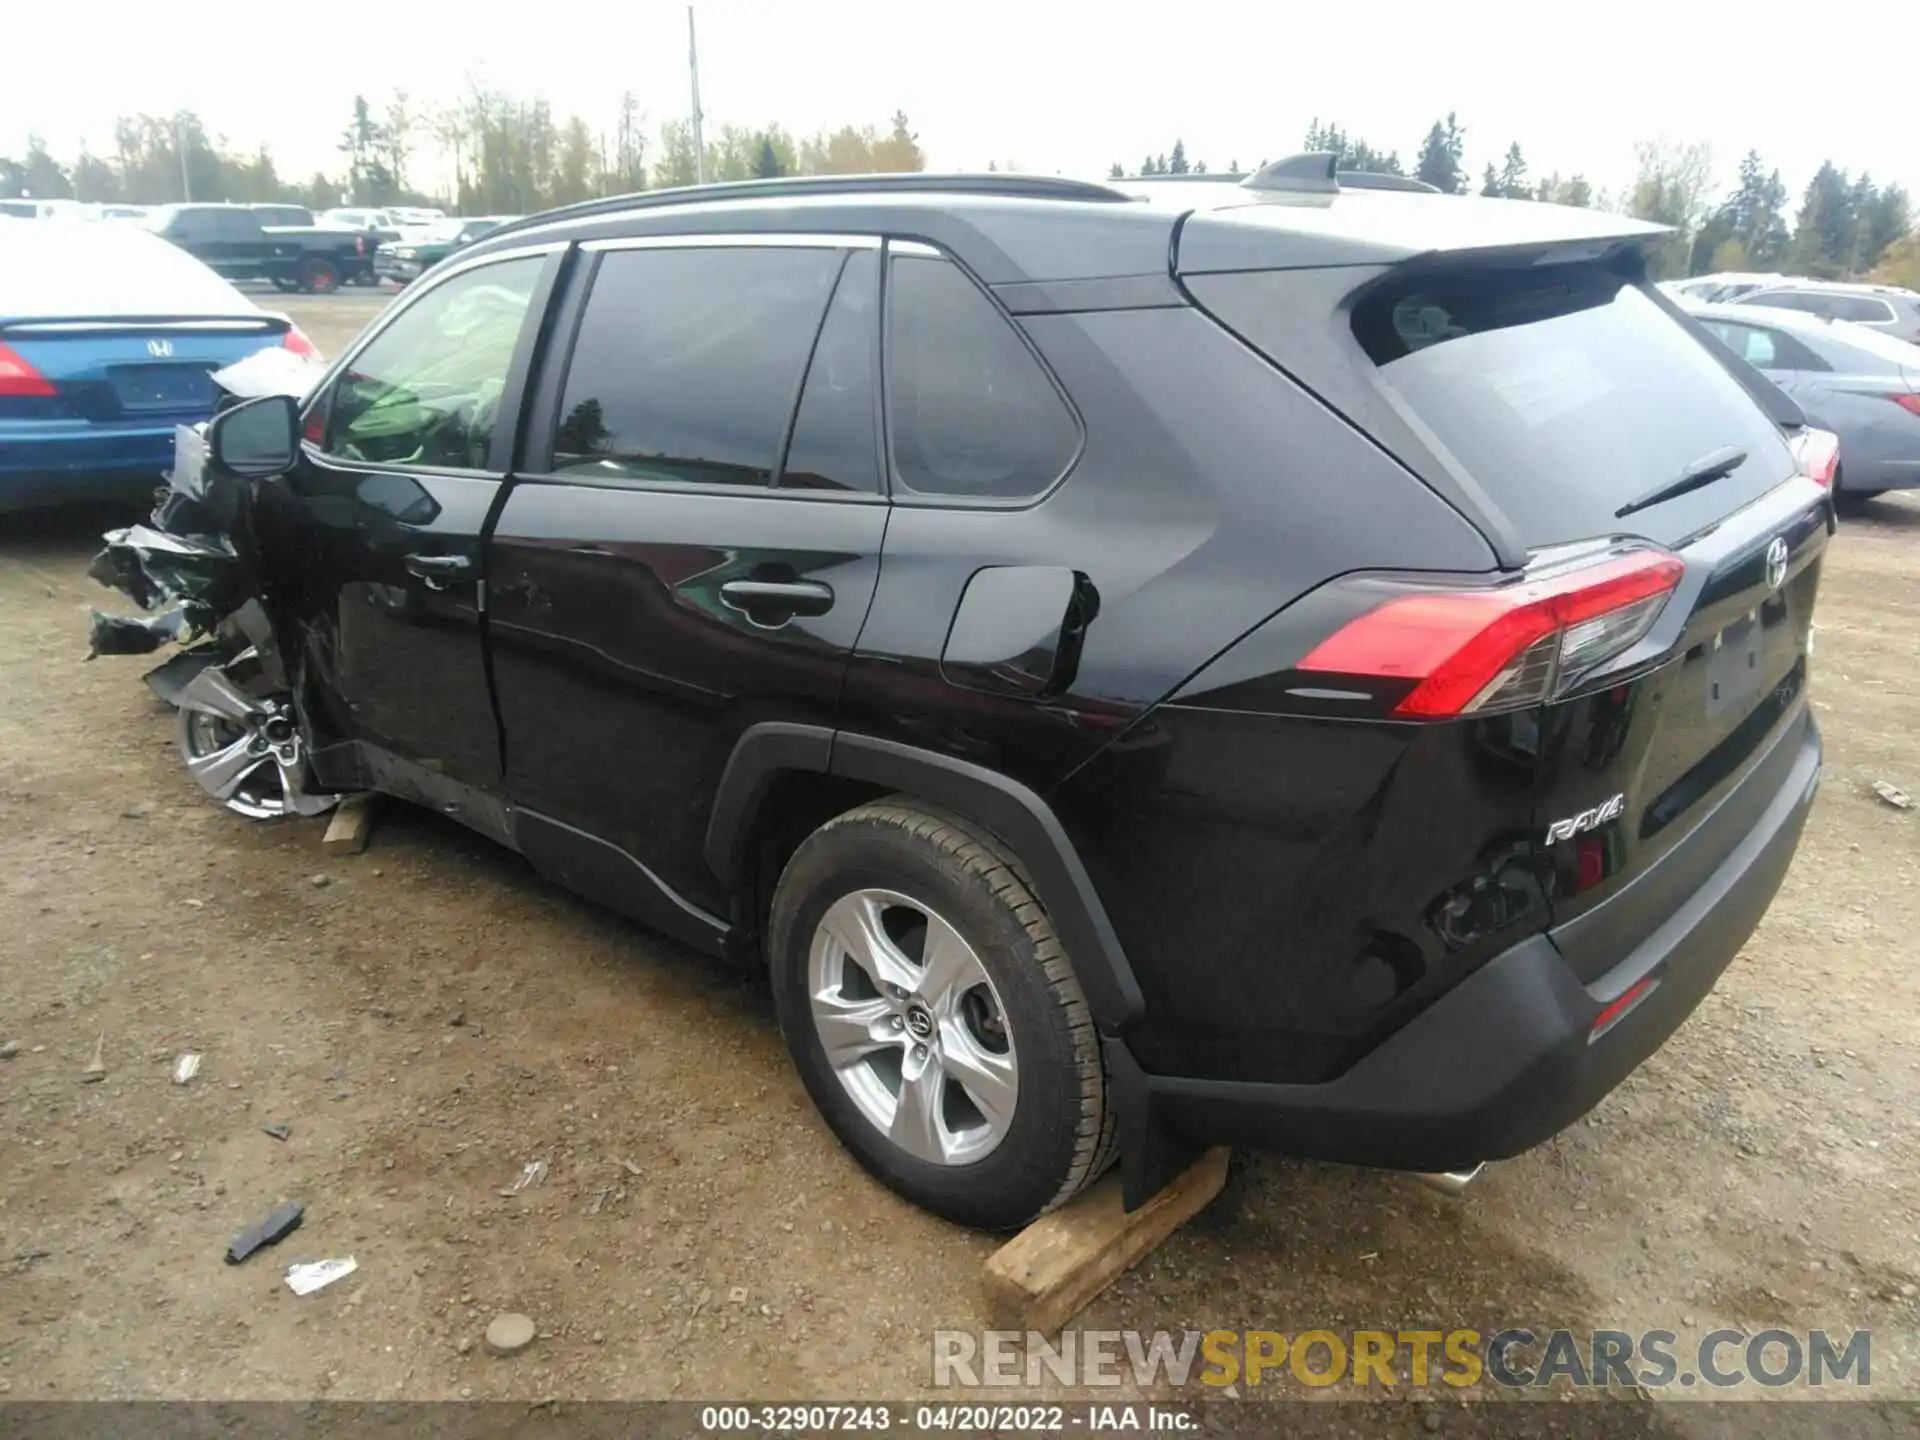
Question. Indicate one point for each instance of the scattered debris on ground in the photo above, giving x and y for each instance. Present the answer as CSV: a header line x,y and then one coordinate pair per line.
x,y
1893,794
185,1068
509,1334
281,1222
318,1274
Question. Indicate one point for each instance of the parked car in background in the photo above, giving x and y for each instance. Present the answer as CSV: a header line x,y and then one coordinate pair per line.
x,y
107,337
231,240
124,212
1859,383
417,250
25,209
1727,285
951,566
1887,308
274,214
380,224
411,215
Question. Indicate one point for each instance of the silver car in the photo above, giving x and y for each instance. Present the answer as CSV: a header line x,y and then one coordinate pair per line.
x,y
1887,308
1853,380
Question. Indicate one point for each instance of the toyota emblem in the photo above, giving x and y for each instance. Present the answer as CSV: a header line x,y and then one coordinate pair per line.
x,y
160,349
1777,563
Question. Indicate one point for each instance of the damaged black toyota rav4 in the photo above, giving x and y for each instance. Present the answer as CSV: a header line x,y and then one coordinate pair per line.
x,y
1136,666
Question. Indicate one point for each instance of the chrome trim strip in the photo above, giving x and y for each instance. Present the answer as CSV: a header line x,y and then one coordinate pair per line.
x,y
709,240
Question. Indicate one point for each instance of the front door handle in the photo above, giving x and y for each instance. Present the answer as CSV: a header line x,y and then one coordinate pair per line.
x,y
771,603
439,570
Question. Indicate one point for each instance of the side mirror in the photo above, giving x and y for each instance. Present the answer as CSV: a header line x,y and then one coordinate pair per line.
x,y
256,437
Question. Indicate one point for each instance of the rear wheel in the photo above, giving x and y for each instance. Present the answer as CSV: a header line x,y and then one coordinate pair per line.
x,y
318,276
934,1018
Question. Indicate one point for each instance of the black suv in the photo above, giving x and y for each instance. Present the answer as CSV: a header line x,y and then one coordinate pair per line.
x,y
1138,667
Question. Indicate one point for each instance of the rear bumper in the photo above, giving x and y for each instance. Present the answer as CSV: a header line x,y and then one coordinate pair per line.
x,y
1503,1061
52,464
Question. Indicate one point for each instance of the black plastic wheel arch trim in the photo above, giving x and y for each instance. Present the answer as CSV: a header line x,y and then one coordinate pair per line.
x,y
1008,808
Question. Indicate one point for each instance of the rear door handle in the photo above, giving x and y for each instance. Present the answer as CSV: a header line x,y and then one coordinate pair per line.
x,y
438,570
774,602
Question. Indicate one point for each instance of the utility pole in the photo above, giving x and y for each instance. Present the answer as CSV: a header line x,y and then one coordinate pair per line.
x,y
180,146
693,68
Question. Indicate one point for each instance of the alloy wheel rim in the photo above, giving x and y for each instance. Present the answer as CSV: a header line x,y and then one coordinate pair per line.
x,y
912,1027
239,747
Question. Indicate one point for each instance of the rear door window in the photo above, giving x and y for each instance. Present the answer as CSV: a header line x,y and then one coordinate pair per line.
x,y
687,362
972,413
1863,309
835,443
1565,392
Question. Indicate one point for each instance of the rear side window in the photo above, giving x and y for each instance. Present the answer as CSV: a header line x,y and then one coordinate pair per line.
x,y
1565,392
972,414
1862,309
1810,301
1766,349
687,362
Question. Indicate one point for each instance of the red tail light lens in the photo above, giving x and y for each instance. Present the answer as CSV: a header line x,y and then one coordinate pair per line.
x,y
1818,453
1471,651
1619,1009
295,340
1908,402
19,379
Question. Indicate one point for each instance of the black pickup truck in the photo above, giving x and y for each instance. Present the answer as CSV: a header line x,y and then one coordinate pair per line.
x,y
231,240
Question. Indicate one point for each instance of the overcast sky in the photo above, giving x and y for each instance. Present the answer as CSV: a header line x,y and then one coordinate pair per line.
x,y
1054,86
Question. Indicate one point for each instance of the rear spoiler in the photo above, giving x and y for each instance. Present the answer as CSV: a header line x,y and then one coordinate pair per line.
x,y
78,324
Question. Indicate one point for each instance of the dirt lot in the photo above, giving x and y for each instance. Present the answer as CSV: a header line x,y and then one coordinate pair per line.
x,y
429,1017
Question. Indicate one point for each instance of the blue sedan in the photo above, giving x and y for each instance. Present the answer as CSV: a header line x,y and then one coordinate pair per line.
x,y
1861,384
109,337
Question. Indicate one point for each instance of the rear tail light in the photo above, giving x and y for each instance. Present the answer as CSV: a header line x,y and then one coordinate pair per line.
x,y
19,379
1818,454
1908,402
1472,651
295,340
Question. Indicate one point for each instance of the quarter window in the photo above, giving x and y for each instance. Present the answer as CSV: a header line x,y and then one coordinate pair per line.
x,y
972,413
687,363
427,389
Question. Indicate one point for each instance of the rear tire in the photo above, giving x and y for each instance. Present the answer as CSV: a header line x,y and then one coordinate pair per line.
x,y
318,277
973,1086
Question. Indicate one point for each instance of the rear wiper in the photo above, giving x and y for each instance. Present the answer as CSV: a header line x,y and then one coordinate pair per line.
x,y
1704,471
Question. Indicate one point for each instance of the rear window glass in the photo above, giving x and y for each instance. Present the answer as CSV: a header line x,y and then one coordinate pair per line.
x,y
1564,393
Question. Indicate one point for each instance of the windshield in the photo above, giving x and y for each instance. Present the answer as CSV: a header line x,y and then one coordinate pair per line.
x,y
1565,392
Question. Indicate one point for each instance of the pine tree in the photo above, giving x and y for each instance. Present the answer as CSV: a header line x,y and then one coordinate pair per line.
x,y
1439,162
1824,233
769,166
1513,175
1115,172
1178,164
1490,184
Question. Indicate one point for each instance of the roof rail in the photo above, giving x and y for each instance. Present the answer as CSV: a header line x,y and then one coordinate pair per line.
x,y
1019,187
1317,172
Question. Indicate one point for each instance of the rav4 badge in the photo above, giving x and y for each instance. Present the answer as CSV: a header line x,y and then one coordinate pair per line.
x,y
1587,819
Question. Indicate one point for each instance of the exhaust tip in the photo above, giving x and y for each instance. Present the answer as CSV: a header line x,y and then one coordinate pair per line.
x,y
1450,1182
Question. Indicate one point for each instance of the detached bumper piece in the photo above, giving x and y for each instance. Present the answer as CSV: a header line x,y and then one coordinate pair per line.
x,y
1520,1049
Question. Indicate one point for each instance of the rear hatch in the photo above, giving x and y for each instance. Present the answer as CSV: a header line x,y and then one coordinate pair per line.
x,y
1638,487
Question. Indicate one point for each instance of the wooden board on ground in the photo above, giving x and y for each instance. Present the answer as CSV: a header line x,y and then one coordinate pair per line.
x,y
352,824
1054,1268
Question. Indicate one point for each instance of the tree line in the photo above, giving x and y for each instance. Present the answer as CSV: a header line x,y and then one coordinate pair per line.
x,y
1844,227
496,154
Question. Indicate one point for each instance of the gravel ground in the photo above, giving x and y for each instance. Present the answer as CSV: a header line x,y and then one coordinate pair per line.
x,y
430,1017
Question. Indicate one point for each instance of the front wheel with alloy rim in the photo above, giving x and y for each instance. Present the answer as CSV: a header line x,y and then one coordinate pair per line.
x,y
934,1018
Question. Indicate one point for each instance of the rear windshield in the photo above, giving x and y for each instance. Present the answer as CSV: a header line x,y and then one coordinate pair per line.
x,y
1564,393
